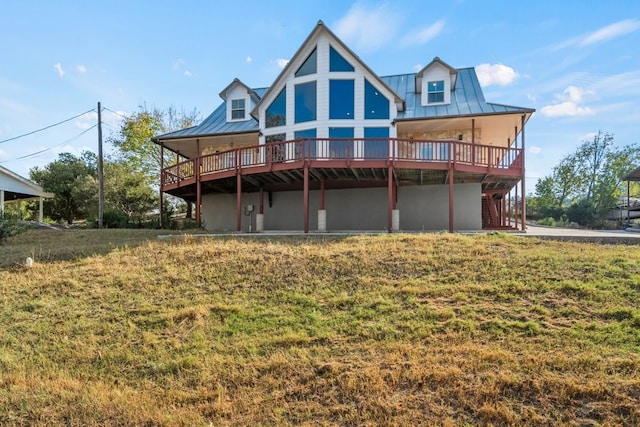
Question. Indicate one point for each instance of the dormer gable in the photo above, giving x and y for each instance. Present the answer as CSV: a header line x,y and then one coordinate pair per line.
x,y
240,99
435,82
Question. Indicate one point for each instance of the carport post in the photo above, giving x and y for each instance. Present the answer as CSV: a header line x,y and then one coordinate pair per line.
x,y
40,215
1,201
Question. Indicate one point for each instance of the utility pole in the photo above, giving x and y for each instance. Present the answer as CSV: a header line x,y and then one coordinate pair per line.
x,y
100,170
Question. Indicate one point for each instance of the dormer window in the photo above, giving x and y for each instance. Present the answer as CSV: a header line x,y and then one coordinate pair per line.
x,y
436,91
237,109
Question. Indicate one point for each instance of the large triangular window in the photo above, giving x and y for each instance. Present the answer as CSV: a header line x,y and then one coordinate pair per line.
x,y
276,114
337,62
310,66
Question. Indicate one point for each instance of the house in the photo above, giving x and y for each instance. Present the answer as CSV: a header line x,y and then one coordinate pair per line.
x,y
14,188
330,145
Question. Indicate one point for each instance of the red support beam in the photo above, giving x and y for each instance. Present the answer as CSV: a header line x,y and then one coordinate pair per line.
x,y
473,141
524,206
390,204
162,179
322,194
451,205
306,197
198,185
238,195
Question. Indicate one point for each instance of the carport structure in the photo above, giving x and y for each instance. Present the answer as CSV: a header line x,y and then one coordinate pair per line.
x,y
632,176
15,188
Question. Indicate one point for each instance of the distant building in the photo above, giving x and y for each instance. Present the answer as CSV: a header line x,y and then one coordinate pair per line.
x,y
14,188
330,145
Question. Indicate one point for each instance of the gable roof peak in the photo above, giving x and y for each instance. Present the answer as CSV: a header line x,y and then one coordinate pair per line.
x,y
238,82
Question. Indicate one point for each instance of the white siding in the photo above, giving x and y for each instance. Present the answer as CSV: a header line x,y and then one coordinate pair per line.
x,y
435,73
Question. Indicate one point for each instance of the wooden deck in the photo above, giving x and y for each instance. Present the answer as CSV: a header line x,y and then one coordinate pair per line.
x,y
341,163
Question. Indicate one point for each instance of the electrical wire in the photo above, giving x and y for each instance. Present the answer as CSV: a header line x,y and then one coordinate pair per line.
x,y
47,127
115,112
27,156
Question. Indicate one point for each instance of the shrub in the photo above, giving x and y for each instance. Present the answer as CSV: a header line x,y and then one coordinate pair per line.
x,y
8,227
547,221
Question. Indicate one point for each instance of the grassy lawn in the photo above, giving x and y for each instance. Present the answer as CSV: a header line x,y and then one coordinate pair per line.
x,y
118,328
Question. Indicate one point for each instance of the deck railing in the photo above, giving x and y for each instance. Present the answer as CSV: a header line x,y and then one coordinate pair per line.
x,y
352,150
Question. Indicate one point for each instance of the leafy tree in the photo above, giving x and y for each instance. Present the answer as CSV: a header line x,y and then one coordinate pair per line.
x,y
134,143
588,180
65,177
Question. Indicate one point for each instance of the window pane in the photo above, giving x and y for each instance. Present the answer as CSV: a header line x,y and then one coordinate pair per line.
x,y
435,91
341,99
310,66
276,114
337,62
376,148
305,98
436,97
237,108
376,106
341,144
309,143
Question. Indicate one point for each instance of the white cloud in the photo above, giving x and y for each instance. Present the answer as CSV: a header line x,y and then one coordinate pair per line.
x,y
187,73
417,67
612,31
3,155
495,74
367,29
568,104
249,59
87,120
81,69
58,68
535,150
281,63
606,33
178,63
423,35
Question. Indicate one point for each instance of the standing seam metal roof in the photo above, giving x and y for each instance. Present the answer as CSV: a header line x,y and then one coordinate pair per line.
x,y
467,99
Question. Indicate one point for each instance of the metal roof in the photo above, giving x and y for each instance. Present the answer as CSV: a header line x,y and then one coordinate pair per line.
x,y
216,124
466,100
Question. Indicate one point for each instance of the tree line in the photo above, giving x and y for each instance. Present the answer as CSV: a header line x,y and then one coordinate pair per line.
x,y
586,183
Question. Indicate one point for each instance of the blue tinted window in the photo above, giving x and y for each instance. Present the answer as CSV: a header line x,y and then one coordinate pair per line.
x,y
341,99
276,114
376,106
305,102
435,91
341,144
310,66
375,148
309,142
337,62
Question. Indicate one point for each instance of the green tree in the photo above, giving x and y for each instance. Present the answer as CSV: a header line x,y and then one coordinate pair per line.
x,y
65,177
587,181
133,139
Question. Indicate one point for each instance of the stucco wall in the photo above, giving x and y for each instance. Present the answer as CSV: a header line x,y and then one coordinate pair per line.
x,y
421,208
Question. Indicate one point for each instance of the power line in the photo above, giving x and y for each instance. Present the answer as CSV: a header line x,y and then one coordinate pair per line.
x,y
47,127
115,112
27,156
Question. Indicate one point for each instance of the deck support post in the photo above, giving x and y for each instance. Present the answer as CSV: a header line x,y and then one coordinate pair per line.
x,y
524,205
322,213
161,184
238,195
473,141
198,185
390,201
451,205
306,197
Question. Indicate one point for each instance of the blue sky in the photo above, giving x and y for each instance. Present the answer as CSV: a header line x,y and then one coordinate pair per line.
x,y
576,62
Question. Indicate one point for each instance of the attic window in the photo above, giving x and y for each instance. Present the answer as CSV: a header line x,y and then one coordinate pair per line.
x,y
435,91
337,61
310,66
237,109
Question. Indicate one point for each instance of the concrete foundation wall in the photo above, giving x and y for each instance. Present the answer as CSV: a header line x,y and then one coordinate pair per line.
x,y
421,208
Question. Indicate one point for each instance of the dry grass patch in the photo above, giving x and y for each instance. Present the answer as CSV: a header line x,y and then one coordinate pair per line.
x,y
365,330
